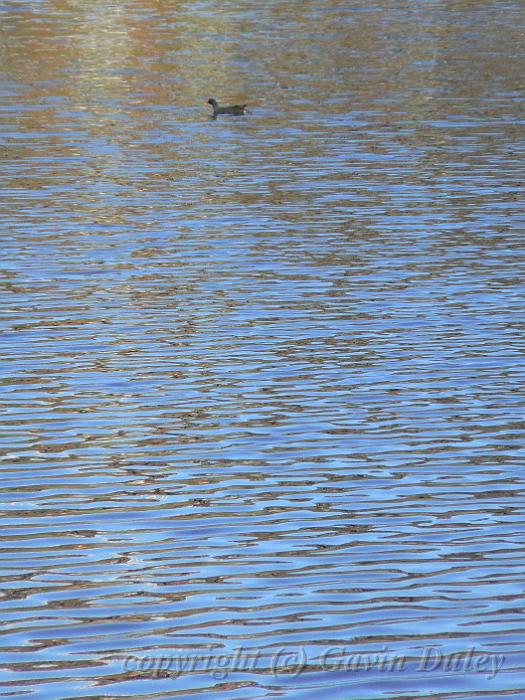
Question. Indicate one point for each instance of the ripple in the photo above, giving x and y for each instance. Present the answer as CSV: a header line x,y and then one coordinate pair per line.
x,y
262,393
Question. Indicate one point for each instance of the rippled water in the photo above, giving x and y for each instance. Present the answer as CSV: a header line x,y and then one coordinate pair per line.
x,y
263,388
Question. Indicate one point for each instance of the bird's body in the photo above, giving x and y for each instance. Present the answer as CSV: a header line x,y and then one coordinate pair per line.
x,y
234,110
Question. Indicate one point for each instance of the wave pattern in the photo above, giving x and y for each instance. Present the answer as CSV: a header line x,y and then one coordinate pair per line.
x,y
263,388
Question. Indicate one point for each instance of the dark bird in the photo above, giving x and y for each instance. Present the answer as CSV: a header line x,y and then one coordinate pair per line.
x,y
235,110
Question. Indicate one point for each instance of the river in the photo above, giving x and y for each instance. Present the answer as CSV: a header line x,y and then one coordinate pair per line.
x,y
262,388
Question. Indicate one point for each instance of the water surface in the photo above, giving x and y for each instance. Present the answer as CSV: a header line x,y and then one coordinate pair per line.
x,y
263,377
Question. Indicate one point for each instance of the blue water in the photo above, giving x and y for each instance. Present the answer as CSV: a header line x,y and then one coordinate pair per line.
x,y
263,377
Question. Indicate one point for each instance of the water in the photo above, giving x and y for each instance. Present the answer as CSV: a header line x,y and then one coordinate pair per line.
x,y
263,386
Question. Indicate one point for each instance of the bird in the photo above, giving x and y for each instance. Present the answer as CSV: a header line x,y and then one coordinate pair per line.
x,y
235,110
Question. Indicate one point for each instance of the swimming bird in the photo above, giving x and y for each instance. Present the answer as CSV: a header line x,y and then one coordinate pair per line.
x,y
235,110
